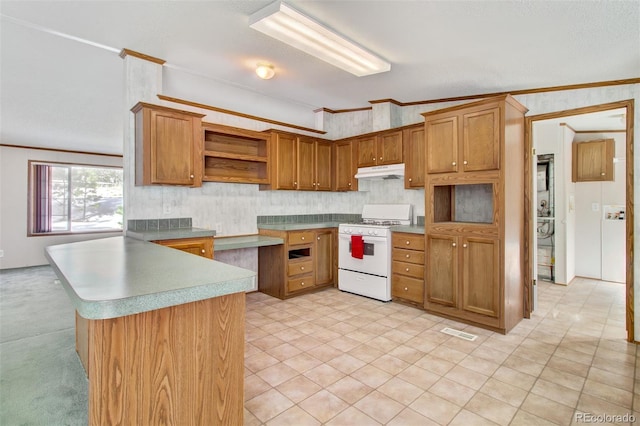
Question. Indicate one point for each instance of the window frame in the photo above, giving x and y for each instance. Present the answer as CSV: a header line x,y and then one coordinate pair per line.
x,y
31,208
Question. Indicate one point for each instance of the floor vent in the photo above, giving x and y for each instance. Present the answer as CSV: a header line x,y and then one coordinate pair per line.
x,y
460,334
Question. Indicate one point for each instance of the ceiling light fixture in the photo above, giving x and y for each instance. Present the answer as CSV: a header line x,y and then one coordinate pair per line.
x,y
265,71
286,24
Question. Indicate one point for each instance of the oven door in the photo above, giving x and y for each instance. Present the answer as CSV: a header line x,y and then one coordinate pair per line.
x,y
376,259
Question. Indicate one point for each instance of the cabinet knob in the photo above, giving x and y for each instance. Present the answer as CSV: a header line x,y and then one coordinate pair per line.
x,y
464,162
453,163
407,256
602,174
295,183
410,180
349,183
314,184
202,251
302,238
302,268
453,244
302,283
406,269
464,245
406,289
380,158
408,242
318,238
192,176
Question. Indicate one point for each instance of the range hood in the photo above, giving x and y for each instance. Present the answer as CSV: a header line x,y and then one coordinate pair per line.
x,y
388,171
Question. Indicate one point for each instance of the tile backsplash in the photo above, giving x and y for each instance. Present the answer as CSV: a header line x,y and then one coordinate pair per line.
x,y
159,224
308,218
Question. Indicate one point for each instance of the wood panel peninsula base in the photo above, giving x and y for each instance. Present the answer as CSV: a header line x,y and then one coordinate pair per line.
x,y
169,363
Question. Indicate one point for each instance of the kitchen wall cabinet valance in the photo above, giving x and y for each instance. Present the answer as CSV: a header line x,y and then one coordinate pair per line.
x,y
474,212
378,149
592,160
300,162
168,146
235,155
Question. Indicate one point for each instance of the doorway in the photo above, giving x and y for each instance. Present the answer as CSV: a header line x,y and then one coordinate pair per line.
x,y
531,214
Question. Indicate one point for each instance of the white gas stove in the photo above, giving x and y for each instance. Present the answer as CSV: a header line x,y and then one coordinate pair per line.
x,y
364,250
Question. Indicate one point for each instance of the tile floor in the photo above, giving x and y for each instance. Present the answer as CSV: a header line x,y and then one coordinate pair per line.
x,y
338,359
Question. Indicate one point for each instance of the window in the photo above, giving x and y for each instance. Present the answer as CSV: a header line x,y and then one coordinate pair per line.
x,y
73,198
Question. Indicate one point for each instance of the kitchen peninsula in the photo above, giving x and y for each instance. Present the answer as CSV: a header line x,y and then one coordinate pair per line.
x,y
160,332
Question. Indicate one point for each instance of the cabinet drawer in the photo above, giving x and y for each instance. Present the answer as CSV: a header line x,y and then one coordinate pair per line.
x,y
407,288
410,269
410,256
408,241
297,268
301,237
296,284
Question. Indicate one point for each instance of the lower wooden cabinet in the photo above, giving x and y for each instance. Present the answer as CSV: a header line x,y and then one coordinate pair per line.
x,y
305,262
201,246
463,279
407,268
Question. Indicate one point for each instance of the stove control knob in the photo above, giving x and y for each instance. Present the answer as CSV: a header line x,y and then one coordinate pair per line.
x,y
371,231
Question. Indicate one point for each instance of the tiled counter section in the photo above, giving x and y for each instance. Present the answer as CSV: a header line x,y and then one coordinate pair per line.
x,y
165,229
245,241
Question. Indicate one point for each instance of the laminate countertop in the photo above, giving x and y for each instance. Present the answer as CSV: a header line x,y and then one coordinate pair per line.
x,y
119,276
171,234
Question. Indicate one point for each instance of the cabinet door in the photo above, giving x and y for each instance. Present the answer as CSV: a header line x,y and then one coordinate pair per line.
x,y
442,270
480,276
198,246
389,148
481,140
442,145
414,157
306,163
323,166
173,149
285,156
344,166
324,257
366,148
593,160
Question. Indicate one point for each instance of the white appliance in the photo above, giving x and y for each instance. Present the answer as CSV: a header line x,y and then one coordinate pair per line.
x,y
387,171
367,270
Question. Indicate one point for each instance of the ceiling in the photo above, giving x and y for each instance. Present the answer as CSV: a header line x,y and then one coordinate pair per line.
x,y
62,80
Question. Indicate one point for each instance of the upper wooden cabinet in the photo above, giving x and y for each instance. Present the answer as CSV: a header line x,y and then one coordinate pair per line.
x,y
168,146
300,162
463,140
235,155
414,156
379,149
344,166
593,160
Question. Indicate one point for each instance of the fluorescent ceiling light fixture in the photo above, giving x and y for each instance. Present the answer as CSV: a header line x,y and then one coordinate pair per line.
x,y
286,24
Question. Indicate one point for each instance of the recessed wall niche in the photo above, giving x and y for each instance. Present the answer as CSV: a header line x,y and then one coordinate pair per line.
x,y
472,203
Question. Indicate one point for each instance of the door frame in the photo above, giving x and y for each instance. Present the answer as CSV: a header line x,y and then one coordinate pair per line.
x,y
528,194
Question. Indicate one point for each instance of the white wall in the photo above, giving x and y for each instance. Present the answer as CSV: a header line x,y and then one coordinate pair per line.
x,y
589,232
19,249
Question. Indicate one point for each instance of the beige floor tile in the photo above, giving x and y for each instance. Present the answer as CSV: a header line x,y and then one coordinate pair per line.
x,y
398,336
448,353
259,361
352,417
531,355
549,410
409,417
504,392
284,351
323,405
574,355
294,416
361,336
523,365
277,373
390,364
452,391
466,418
250,419
400,390
379,406
289,334
298,388
434,364
522,418
487,352
490,408
254,386
366,352
614,367
611,379
306,343
568,366
559,377
423,345
302,362
346,363
479,365
418,376
407,353
326,335
325,353
435,408
466,377
462,345
515,378
611,394
597,406
556,392
383,343
349,389
324,375
268,405
371,376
